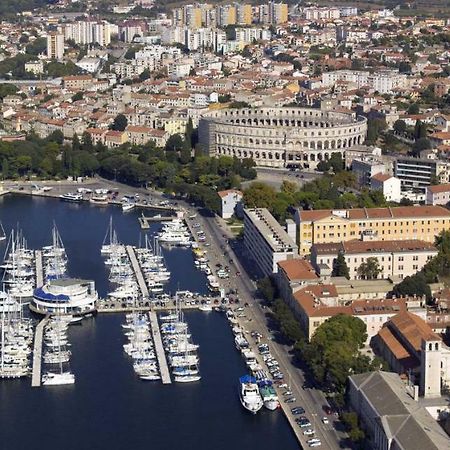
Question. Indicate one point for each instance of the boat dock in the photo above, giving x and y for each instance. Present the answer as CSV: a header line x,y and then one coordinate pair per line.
x,y
37,353
137,271
145,221
161,355
39,268
120,307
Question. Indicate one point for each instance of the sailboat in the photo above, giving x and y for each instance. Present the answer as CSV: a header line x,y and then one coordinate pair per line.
x,y
2,233
60,377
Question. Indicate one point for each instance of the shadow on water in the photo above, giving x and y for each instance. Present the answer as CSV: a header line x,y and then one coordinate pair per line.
x,y
108,408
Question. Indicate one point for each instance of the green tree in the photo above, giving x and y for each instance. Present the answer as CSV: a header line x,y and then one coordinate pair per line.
x,y
413,285
120,123
333,352
420,130
266,289
56,136
77,96
7,89
145,74
86,142
370,269
76,145
400,126
37,47
259,195
420,145
340,268
189,132
413,108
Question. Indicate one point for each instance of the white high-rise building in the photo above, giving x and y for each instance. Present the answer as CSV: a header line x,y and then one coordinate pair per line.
x,y
89,32
55,46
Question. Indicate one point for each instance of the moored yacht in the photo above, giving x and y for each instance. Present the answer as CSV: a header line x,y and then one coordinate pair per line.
x,y
268,394
249,394
71,197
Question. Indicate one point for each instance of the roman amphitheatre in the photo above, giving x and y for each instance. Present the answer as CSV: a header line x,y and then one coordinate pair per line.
x,y
281,137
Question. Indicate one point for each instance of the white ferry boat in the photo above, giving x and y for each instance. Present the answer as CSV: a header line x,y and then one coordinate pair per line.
x,y
65,296
249,394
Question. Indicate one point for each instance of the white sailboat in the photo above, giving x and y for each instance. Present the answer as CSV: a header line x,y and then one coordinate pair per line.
x,y
59,354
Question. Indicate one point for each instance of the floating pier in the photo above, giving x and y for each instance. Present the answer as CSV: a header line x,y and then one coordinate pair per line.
x,y
37,352
137,271
145,221
39,268
160,354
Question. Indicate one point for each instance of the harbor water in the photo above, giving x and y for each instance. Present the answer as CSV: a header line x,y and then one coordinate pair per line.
x,y
109,407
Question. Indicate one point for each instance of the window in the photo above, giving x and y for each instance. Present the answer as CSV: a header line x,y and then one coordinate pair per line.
x,y
400,258
400,267
415,258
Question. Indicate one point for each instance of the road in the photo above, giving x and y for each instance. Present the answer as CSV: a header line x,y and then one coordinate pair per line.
x,y
275,177
312,400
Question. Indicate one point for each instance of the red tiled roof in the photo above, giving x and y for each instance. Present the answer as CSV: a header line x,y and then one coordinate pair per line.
x,y
229,191
298,269
381,177
378,213
439,188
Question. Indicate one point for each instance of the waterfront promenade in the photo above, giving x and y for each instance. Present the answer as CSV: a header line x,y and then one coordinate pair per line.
x,y
37,353
160,354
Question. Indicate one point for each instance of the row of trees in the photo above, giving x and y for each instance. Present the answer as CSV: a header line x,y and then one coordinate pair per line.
x,y
173,168
328,192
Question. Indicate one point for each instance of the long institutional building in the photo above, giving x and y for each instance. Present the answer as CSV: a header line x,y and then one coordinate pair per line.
x,y
278,137
381,224
266,240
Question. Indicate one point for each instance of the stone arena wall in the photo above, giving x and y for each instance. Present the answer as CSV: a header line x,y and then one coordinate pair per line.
x,y
281,137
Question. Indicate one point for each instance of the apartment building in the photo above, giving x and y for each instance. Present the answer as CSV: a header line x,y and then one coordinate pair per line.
x,y
383,81
266,240
55,46
77,82
390,186
365,168
418,173
396,259
438,194
385,224
89,32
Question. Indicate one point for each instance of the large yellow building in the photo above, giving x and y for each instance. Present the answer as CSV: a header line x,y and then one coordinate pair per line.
x,y
382,224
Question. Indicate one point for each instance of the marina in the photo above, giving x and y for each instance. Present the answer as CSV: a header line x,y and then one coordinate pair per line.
x,y
99,365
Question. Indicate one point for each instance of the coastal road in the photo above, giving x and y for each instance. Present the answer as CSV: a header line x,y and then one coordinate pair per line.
x,y
312,400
